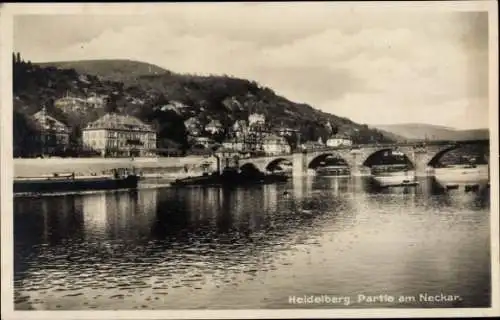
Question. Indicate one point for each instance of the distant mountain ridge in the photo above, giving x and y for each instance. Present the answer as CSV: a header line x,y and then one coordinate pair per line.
x,y
419,131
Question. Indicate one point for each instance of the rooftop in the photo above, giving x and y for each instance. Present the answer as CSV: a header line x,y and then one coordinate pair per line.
x,y
114,121
340,136
214,123
45,122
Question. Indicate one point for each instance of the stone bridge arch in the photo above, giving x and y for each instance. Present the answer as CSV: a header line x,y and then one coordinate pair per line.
x,y
370,155
273,164
315,160
249,167
434,156
263,163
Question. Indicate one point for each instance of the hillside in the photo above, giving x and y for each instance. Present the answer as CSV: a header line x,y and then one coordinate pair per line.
x,y
418,131
165,99
113,70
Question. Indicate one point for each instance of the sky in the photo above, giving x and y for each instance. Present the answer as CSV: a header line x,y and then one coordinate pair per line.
x,y
372,66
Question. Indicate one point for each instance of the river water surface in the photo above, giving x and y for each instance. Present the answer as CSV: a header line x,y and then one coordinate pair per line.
x,y
253,247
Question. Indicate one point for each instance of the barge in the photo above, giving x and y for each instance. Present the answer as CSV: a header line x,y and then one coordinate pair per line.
x,y
69,182
230,178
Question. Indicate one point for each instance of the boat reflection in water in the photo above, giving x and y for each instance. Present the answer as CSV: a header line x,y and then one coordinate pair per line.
x,y
231,177
458,174
393,175
334,170
468,177
333,167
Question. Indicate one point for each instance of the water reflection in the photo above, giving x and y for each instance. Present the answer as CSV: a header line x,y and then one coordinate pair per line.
x,y
312,235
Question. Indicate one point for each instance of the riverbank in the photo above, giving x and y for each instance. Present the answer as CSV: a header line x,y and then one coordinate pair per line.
x,y
174,167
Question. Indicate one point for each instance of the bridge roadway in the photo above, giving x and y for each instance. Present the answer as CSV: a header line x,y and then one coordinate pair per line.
x,y
423,155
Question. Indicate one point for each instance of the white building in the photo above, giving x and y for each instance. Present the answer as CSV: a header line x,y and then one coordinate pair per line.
x,y
120,135
203,141
339,140
214,127
275,145
256,119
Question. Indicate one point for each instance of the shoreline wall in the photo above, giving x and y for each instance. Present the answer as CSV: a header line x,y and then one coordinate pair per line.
x,y
48,166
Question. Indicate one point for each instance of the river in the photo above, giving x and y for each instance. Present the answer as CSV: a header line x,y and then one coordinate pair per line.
x,y
253,247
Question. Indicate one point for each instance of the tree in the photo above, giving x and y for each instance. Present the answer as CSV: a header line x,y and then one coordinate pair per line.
x,y
23,135
335,130
111,104
292,140
160,100
169,126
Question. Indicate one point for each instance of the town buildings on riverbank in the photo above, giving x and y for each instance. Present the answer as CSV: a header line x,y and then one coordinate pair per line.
x,y
119,135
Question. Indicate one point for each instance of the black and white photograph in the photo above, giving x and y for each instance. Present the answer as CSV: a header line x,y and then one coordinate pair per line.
x,y
249,159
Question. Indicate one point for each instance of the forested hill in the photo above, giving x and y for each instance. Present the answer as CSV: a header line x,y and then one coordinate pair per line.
x,y
166,99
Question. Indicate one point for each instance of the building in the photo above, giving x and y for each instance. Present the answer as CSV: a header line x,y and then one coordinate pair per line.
x,y
312,146
193,126
339,140
175,106
253,142
214,127
120,135
275,145
256,119
240,128
284,131
75,104
202,141
54,135
234,144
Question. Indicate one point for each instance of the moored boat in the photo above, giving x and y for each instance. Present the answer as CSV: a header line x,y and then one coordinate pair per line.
x,y
393,176
230,178
333,170
69,182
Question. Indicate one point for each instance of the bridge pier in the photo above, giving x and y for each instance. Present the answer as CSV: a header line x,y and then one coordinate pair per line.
x,y
356,163
299,163
420,160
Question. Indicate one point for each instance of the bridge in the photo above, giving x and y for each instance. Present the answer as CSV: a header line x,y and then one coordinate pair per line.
x,y
423,155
